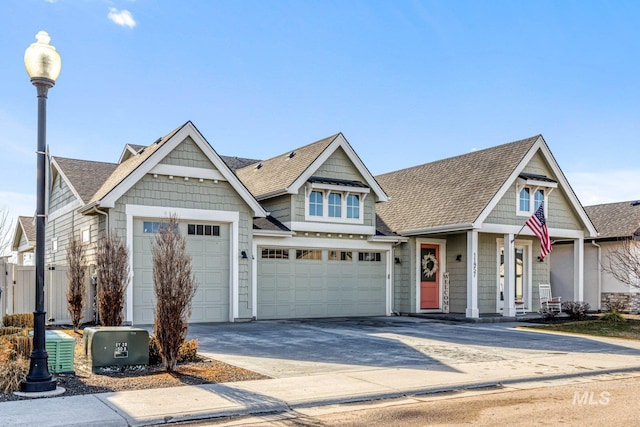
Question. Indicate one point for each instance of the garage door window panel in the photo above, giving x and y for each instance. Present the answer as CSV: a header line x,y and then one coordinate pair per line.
x,y
309,254
335,255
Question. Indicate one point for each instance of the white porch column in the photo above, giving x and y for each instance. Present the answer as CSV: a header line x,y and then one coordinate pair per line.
x,y
509,309
578,269
472,275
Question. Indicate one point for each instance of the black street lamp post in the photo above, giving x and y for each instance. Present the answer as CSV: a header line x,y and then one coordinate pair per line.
x,y
42,62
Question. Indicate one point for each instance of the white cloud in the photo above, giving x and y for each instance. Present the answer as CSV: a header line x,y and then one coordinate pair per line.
x,y
123,17
594,188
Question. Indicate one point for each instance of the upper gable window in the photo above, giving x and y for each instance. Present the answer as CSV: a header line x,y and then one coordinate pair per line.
x,y
335,205
315,203
343,204
532,191
353,206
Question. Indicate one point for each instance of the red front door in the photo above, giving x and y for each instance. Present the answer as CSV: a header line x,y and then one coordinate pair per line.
x,y
429,276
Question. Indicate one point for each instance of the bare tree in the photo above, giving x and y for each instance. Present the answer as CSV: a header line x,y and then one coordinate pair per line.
x,y
174,285
623,262
6,227
112,263
76,273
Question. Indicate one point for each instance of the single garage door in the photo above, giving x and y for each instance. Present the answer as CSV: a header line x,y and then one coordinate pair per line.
x,y
208,245
299,283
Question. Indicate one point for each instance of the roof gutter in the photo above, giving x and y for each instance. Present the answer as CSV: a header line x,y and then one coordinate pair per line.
x,y
436,230
94,207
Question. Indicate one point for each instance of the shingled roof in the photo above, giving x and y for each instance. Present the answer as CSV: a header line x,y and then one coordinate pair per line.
x,y
613,220
128,166
278,173
85,176
28,227
451,191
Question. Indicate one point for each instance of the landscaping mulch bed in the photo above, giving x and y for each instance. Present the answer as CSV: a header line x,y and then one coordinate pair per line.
x,y
83,381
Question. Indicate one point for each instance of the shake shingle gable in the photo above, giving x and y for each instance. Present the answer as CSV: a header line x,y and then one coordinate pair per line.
x,y
449,192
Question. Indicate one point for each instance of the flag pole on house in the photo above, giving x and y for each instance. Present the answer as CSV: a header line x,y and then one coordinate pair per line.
x,y
538,225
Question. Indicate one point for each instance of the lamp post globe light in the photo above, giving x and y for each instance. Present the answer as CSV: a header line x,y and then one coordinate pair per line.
x,y
43,63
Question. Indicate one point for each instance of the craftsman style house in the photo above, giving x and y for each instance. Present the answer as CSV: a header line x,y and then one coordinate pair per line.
x,y
311,233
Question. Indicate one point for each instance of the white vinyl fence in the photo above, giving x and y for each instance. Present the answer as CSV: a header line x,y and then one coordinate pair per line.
x,y
18,295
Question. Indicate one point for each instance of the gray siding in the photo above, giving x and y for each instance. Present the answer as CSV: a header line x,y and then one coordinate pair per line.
x,y
192,194
402,279
338,165
487,272
61,195
187,153
279,207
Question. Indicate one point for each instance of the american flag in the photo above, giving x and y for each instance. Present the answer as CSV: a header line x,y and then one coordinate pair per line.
x,y
538,225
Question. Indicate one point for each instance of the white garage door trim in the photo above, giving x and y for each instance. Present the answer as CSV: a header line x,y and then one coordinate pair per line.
x,y
318,243
232,218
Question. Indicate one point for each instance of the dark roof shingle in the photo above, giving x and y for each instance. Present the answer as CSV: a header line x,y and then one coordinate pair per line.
x,y
84,175
450,191
613,220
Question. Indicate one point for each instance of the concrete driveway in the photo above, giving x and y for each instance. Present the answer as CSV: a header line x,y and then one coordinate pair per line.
x,y
283,349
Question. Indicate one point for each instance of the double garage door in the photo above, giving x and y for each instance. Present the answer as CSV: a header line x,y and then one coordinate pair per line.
x,y
208,245
299,283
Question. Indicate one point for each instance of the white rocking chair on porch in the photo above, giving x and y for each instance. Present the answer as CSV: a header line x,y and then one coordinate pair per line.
x,y
547,301
521,310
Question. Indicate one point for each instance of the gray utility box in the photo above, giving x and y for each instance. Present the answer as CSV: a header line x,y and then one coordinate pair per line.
x,y
116,346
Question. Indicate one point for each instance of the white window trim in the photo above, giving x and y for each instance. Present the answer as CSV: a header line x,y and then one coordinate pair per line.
x,y
82,235
327,189
54,245
532,195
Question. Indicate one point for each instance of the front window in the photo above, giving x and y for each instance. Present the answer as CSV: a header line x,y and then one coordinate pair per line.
x,y
315,203
524,200
335,205
353,206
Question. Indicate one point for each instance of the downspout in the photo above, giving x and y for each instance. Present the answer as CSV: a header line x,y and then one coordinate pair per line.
x,y
106,215
593,242
393,278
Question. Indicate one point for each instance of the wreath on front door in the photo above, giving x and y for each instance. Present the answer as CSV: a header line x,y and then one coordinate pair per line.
x,y
426,270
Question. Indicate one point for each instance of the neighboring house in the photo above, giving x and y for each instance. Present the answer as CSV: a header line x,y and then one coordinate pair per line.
x,y
615,222
461,213
24,240
311,233
318,254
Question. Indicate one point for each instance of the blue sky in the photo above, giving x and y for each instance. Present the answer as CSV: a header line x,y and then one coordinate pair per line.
x,y
407,82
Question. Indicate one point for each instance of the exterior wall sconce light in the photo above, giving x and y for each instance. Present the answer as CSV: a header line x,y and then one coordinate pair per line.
x,y
540,259
398,261
459,257
243,254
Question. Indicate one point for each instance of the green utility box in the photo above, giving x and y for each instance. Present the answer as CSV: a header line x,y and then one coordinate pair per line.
x,y
60,349
116,346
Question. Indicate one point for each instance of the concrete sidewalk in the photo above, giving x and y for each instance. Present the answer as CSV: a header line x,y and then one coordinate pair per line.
x,y
160,406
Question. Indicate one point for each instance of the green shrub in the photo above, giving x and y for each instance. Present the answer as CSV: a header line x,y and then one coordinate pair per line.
x,y
21,320
188,351
576,310
613,317
154,351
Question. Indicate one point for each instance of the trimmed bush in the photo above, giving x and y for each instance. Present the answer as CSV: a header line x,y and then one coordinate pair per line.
x,y
576,310
612,317
21,345
188,351
13,330
20,320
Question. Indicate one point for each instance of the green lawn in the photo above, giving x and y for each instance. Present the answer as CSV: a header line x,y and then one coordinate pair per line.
x,y
629,329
